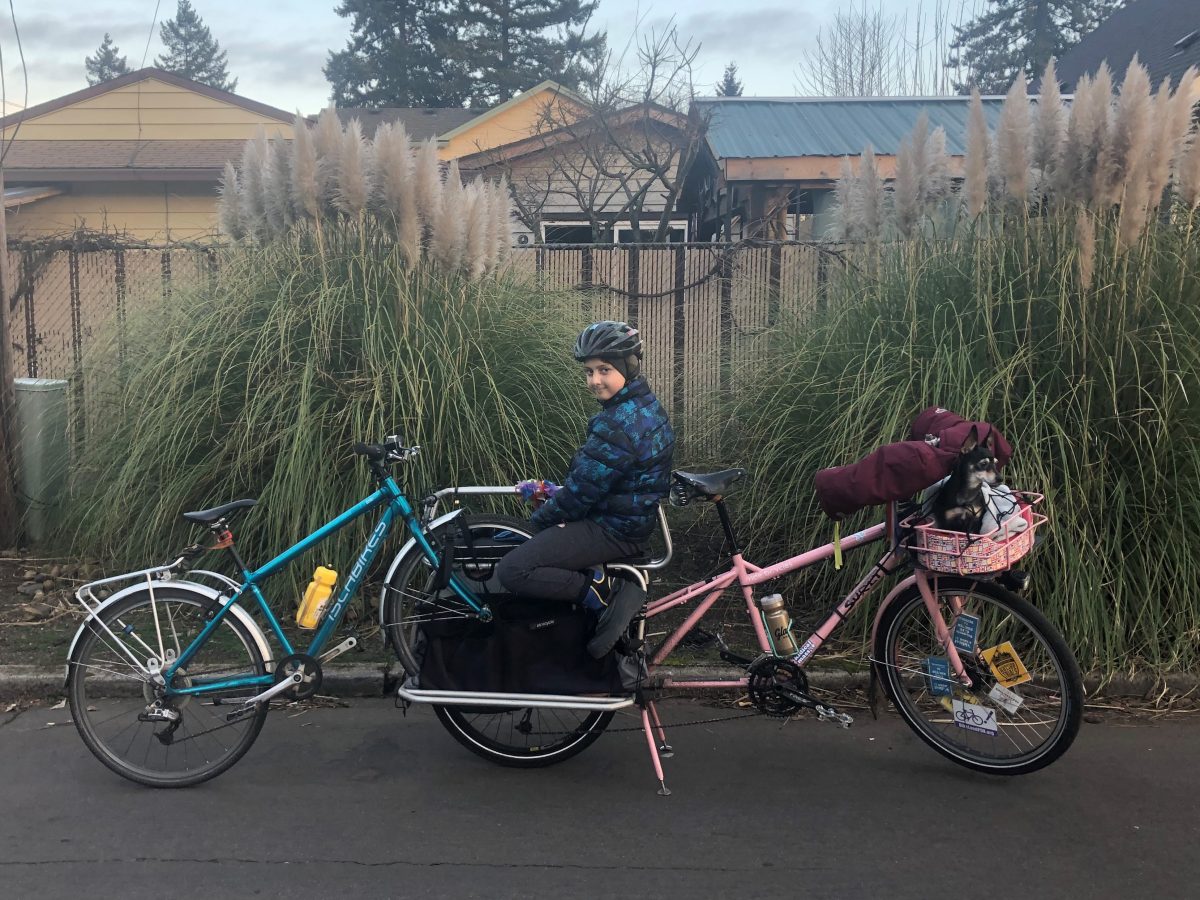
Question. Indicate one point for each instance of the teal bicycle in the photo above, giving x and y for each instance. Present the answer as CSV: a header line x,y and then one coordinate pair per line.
x,y
170,678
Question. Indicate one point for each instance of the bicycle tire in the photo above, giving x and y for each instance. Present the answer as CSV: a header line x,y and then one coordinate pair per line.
x,y
1037,733
504,747
519,737
101,678
409,602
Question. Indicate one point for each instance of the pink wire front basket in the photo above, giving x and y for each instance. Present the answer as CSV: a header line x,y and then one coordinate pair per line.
x,y
956,553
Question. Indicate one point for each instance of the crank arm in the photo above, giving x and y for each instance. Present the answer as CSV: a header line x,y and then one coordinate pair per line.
x,y
334,652
824,712
291,681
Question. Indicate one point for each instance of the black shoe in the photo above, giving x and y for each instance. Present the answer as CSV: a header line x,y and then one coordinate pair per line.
x,y
623,604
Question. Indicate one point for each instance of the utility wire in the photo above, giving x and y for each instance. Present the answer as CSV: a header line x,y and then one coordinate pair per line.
x,y
3,87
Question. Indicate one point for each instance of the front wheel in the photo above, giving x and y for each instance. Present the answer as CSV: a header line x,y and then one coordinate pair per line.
x,y
412,601
1025,703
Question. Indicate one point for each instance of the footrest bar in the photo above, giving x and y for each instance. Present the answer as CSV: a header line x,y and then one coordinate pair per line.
x,y
492,698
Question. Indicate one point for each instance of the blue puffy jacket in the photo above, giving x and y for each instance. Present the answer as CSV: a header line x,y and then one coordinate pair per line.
x,y
622,470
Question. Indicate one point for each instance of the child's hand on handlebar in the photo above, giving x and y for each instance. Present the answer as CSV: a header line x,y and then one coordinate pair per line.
x,y
536,491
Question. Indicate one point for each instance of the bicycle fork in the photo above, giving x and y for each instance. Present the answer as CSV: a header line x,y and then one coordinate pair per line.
x,y
941,631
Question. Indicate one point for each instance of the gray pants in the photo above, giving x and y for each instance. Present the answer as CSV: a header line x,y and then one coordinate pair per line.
x,y
549,566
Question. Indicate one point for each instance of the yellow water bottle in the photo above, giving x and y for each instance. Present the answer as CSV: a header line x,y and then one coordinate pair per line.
x,y
316,597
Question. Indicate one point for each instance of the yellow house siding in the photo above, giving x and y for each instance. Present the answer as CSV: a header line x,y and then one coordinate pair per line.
x,y
159,212
519,121
148,110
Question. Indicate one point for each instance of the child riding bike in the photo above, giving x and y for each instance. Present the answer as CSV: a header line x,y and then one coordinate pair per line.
x,y
607,506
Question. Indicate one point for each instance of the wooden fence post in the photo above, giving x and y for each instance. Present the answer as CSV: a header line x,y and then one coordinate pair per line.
x,y
9,524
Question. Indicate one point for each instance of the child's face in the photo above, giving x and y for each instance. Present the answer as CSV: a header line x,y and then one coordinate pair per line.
x,y
602,379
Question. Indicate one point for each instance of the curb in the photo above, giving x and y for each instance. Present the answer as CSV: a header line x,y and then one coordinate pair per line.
x,y
18,681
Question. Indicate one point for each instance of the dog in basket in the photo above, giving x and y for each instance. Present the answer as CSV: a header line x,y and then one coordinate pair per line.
x,y
960,504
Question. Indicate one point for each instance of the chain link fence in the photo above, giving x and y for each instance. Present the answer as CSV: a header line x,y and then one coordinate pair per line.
x,y
705,310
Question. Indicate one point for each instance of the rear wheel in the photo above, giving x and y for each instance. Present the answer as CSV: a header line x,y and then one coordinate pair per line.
x,y
524,738
987,727
124,718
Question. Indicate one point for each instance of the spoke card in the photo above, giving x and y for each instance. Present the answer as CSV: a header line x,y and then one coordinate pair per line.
x,y
1006,665
966,627
975,718
937,673
1010,701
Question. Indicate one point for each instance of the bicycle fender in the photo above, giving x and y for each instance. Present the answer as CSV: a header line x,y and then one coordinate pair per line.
x,y
210,595
407,548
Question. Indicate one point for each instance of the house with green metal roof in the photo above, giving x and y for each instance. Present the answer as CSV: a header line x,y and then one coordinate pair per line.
x,y
770,164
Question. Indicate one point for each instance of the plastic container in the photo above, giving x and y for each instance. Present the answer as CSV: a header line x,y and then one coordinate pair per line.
x,y
316,598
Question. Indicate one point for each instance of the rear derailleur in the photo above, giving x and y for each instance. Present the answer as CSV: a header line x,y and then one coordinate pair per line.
x,y
779,688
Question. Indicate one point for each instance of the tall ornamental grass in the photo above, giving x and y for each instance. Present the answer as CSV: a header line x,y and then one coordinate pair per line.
x,y
1065,308
260,383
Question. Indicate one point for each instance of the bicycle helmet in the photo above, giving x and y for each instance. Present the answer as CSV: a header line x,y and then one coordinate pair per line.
x,y
608,340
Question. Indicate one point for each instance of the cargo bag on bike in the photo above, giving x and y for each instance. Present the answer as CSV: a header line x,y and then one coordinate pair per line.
x,y
529,647
898,471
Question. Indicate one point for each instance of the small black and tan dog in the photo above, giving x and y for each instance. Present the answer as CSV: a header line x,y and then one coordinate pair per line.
x,y
959,505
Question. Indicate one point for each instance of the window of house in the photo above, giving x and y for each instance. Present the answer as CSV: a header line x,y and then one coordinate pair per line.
x,y
566,233
677,233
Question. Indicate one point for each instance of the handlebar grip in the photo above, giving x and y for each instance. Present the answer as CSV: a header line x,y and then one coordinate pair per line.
x,y
371,451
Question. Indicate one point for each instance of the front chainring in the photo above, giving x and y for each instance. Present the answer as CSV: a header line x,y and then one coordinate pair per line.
x,y
767,675
310,670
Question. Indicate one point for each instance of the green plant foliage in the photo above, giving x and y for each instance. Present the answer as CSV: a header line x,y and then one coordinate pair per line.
x,y
260,383
1095,387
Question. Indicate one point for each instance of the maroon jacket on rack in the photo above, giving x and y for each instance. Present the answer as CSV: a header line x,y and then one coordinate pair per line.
x,y
898,471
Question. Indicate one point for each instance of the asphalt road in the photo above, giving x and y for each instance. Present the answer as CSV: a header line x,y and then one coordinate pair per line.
x,y
364,803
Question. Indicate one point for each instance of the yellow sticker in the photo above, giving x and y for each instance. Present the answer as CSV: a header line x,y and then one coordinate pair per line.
x,y
1006,665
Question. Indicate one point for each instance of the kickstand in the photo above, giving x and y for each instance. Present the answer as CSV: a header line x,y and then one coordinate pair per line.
x,y
663,790
664,749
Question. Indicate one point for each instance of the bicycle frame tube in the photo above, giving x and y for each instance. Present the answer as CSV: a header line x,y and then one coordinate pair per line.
x,y
747,575
396,505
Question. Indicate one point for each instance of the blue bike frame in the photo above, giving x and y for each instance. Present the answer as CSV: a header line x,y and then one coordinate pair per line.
x,y
395,505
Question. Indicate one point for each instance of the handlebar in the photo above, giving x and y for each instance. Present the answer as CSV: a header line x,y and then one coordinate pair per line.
x,y
392,450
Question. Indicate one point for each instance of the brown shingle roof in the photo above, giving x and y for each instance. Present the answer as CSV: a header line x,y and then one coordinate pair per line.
x,y
419,121
81,160
1157,30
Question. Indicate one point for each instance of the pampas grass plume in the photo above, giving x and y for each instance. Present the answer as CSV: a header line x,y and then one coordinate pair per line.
x,y
305,188
1049,131
975,181
252,186
278,200
327,138
1121,168
1012,142
350,186
229,214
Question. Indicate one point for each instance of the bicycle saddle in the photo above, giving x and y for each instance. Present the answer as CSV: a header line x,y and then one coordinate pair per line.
x,y
208,516
713,484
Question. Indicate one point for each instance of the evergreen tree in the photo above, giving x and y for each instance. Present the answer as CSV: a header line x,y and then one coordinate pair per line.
x,y
729,86
511,45
401,53
192,51
1013,36
106,64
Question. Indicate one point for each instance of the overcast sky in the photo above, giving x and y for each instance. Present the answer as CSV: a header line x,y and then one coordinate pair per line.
x,y
277,49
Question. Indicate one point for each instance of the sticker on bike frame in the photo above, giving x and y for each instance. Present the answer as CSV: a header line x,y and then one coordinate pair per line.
x,y
966,627
975,718
1006,665
937,674
1010,700
807,649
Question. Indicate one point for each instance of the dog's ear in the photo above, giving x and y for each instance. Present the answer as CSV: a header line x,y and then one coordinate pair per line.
x,y
971,441
990,443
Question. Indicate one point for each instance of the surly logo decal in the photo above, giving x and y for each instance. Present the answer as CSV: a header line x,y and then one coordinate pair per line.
x,y
360,567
